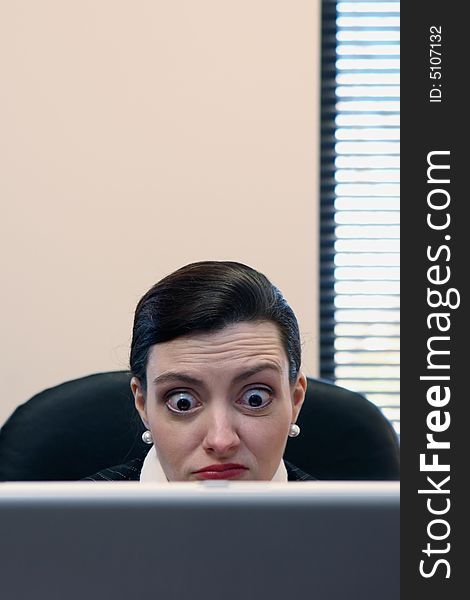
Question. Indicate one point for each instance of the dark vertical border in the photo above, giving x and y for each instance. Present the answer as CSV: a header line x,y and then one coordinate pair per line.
x,y
327,188
426,127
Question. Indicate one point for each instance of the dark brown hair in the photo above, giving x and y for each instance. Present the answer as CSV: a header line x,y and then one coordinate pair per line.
x,y
207,296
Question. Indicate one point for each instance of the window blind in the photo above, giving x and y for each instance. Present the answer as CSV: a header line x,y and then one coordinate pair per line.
x,y
360,200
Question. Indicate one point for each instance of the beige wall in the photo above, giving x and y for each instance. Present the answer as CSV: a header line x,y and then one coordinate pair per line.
x,y
136,137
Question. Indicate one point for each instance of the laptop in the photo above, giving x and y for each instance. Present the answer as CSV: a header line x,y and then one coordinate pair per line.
x,y
209,540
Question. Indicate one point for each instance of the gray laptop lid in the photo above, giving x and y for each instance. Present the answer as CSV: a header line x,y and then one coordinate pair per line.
x,y
216,540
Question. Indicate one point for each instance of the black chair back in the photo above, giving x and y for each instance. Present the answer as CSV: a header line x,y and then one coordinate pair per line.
x,y
79,427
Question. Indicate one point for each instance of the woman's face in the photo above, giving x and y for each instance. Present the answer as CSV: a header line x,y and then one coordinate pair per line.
x,y
219,405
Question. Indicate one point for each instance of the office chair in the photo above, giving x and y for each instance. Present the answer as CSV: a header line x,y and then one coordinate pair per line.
x,y
79,427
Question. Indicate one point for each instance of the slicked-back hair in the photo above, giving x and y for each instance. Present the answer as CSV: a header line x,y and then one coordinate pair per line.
x,y
206,297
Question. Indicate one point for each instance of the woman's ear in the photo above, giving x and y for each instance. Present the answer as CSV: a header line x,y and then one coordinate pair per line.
x,y
139,400
298,395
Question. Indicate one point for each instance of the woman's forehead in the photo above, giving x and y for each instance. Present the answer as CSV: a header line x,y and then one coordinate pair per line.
x,y
239,346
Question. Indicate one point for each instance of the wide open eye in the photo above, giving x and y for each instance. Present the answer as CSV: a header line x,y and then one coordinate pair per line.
x,y
181,402
256,398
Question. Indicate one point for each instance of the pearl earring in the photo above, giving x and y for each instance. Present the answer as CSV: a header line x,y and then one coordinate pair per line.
x,y
294,430
147,437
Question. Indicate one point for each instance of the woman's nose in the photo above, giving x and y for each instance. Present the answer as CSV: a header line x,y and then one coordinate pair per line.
x,y
221,436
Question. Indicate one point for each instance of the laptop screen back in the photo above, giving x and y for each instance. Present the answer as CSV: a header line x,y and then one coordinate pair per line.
x,y
217,540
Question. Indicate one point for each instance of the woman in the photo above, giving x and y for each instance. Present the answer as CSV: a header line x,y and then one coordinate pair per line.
x,y
215,359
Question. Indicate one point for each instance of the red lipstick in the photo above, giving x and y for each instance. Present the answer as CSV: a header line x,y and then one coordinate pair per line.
x,y
221,471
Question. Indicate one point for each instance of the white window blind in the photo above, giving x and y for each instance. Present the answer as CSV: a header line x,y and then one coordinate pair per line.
x,y
366,202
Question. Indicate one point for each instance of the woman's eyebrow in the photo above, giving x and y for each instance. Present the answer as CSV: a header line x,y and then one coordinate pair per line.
x,y
174,376
265,366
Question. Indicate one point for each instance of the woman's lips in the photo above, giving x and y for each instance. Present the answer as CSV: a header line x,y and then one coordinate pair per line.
x,y
221,471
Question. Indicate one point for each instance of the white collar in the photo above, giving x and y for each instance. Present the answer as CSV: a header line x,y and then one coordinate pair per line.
x,y
152,471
